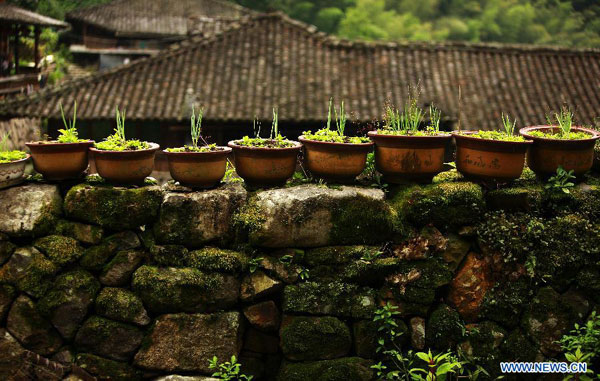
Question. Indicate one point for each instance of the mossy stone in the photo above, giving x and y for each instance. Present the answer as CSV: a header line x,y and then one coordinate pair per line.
x,y
588,280
7,295
446,205
104,368
505,302
30,271
114,208
444,328
121,305
215,259
69,300
118,271
96,257
6,250
330,298
525,199
336,255
483,343
88,234
170,255
108,338
517,347
184,289
344,369
60,249
314,338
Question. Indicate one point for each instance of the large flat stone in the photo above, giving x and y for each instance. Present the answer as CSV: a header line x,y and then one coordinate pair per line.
x,y
311,216
169,289
194,219
115,208
29,210
186,342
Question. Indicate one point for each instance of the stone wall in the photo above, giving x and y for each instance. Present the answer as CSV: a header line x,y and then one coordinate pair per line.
x,y
125,284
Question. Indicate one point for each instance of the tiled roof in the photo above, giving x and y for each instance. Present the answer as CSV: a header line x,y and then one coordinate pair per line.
x,y
130,18
14,14
271,60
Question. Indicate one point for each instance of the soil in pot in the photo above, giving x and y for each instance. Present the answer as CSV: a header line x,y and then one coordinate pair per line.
x,y
490,156
198,168
551,149
60,161
265,166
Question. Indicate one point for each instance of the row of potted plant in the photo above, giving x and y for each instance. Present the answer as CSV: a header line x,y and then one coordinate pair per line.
x,y
404,151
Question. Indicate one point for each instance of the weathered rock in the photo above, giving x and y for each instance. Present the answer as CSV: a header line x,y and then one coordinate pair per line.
x,y
118,271
336,255
348,368
29,210
547,318
106,369
258,285
114,208
517,347
257,341
69,300
31,329
59,249
175,377
29,270
186,342
505,302
310,216
95,257
365,338
522,199
264,316
184,289
314,338
284,271
170,255
7,295
122,305
13,366
444,328
64,356
214,259
88,234
108,338
456,249
470,285
6,250
334,298
195,219
446,205
417,333
484,341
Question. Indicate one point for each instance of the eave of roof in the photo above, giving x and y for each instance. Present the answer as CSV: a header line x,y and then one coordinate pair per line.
x,y
13,14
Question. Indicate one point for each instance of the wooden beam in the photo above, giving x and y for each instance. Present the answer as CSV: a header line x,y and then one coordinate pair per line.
x,y
16,48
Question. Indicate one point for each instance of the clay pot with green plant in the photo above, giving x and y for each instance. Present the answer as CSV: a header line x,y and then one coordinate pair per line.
x,y
63,158
560,145
331,155
403,152
124,161
197,166
12,164
491,156
263,162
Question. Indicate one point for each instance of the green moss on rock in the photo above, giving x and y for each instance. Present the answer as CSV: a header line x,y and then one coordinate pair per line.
x,y
444,328
505,302
314,338
515,198
88,234
30,271
108,338
170,255
96,257
517,347
184,289
60,249
106,369
122,305
333,298
344,369
449,205
113,208
336,255
215,259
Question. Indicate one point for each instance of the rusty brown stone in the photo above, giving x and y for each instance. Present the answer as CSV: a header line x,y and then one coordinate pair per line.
x,y
469,286
263,316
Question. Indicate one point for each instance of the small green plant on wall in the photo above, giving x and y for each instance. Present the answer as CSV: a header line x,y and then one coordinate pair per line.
x,y
196,135
561,181
337,135
118,141
69,134
228,370
8,156
564,120
275,140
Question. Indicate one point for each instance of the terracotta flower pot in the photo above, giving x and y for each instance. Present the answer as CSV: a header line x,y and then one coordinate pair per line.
x,y
198,169
546,155
340,162
12,173
402,158
125,167
60,161
265,167
496,161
